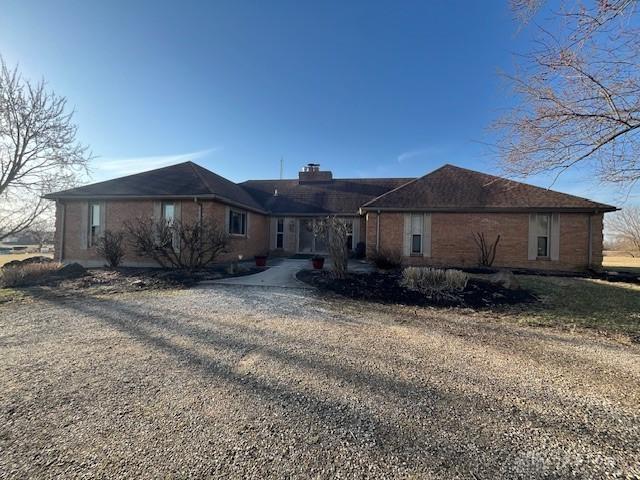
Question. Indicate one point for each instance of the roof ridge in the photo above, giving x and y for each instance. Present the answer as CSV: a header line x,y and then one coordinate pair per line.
x,y
408,183
193,166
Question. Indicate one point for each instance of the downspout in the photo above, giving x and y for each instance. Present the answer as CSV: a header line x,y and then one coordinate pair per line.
x,y
590,242
378,231
62,222
195,199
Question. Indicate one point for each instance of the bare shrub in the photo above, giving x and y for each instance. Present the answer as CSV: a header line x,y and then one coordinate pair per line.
x,y
386,259
27,274
434,281
336,230
177,244
111,247
487,253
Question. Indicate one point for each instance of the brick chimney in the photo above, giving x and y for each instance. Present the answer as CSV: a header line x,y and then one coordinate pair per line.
x,y
311,173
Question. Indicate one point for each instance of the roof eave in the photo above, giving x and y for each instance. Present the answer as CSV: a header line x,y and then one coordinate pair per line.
x,y
595,209
208,196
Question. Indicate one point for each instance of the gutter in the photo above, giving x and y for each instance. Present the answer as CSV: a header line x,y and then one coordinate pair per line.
x,y
377,231
209,196
491,209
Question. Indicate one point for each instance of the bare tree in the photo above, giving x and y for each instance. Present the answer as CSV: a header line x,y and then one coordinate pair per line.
x,y
42,231
487,251
38,149
177,244
578,93
624,225
336,230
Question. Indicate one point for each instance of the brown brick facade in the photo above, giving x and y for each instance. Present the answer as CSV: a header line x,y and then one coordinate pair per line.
x,y
452,242
118,211
451,235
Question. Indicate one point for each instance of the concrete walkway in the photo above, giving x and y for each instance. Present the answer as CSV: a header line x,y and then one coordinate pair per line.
x,y
282,273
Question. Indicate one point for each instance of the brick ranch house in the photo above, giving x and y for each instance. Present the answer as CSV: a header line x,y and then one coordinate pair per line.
x,y
429,220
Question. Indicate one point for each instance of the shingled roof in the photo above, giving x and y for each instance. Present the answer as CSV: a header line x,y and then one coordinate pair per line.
x,y
448,188
335,196
453,188
182,180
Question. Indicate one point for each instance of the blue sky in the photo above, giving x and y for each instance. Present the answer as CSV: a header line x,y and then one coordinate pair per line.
x,y
364,88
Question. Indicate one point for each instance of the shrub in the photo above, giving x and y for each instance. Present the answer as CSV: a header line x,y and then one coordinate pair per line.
x,y
386,259
336,231
111,247
434,281
178,244
27,274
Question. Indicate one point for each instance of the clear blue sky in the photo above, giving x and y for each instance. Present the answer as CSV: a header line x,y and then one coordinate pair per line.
x,y
364,88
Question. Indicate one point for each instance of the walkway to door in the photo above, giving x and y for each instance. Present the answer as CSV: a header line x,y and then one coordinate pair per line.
x,y
282,273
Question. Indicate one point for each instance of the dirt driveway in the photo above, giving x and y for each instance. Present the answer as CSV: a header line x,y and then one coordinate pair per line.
x,y
252,382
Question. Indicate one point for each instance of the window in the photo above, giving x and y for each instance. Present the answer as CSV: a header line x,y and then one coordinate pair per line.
x,y
280,233
237,222
542,231
349,234
416,244
94,223
416,233
168,212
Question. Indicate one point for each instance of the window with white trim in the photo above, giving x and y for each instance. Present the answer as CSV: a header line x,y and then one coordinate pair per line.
x,y
542,234
280,233
349,234
168,212
417,220
237,222
94,223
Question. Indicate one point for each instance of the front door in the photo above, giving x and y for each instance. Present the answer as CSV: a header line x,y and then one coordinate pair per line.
x,y
307,241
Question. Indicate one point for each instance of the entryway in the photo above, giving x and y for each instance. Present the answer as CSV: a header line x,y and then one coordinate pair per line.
x,y
308,242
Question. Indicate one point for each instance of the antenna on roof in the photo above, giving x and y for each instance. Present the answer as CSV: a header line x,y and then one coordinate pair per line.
x,y
281,167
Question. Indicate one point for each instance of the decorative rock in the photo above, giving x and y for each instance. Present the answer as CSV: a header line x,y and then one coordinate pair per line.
x,y
506,279
72,270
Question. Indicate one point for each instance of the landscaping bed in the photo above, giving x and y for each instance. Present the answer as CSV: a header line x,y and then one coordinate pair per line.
x,y
386,288
75,280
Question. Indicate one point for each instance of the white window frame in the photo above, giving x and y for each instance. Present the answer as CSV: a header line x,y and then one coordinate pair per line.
x,y
244,222
350,233
163,211
417,229
94,222
280,233
547,236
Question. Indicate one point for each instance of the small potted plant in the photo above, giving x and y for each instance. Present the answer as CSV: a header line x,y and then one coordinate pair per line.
x,y
318,262
261,260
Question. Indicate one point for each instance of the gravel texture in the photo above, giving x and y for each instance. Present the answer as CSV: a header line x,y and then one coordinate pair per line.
x,y
254,383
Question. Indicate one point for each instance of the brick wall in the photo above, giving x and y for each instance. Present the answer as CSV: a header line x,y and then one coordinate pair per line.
x,y
452,241
118,211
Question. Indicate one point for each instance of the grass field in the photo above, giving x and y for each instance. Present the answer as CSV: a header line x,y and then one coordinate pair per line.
x,y
622,263
21,256
585,303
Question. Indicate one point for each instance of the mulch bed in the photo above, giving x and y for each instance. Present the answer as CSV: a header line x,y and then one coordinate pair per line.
x,y
80,281
386,288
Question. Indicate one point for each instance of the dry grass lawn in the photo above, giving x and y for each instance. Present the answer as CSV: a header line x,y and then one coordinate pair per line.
x,y
622,263
21,256
611,307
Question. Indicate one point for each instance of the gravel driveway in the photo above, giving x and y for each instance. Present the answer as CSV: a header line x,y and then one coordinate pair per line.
x,y
252,382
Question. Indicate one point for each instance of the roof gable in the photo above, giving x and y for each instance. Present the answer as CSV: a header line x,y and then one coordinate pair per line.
x,y
454,188
181,180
